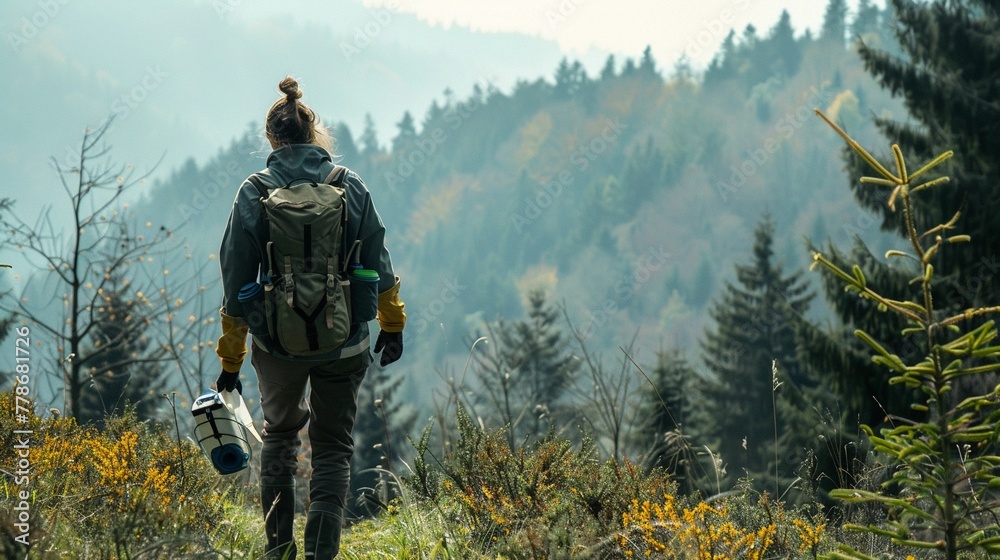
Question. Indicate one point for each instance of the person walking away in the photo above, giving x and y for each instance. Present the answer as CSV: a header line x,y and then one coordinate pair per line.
x,y
301,153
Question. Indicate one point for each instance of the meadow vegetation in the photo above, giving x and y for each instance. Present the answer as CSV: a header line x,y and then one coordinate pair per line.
x,y
137,489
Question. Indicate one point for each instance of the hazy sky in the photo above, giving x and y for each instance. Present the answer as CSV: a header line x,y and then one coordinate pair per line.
x,y
670,27
587,28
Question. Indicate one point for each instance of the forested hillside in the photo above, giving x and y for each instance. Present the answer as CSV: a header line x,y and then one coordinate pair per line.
x,y
627,195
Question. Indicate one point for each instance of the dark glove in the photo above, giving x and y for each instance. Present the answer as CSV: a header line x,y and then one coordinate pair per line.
x,y
390,344
229,382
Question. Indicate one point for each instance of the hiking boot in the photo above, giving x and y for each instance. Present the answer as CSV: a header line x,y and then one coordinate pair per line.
x,y
323,526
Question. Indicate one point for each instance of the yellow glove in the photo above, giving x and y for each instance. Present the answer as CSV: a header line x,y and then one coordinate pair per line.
x,y
391,317
232,346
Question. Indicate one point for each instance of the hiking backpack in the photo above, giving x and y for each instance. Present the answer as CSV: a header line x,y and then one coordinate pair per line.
x,y
307,300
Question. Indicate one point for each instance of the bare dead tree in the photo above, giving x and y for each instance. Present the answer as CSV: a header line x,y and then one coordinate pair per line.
x,y
190,326
93,255
606,397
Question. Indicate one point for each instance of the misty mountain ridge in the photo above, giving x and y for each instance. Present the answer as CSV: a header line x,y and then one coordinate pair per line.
x,y
194,72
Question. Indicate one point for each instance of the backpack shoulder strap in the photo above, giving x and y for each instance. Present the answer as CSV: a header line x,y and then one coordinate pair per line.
x,y
259,184
337,176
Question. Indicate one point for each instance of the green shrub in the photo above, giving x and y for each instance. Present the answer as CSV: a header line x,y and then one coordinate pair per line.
x,y
548,500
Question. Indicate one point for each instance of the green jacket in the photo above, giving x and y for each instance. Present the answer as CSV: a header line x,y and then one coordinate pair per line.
x,y
246,235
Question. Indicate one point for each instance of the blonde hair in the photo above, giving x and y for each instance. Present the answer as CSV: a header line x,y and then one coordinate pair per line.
x,y
289,121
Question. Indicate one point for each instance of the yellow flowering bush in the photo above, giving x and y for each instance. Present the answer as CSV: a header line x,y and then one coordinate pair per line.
x,y
111,492
701,531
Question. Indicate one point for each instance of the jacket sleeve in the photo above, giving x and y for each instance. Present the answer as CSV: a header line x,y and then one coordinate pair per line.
x,y
232,346
374,255
239,259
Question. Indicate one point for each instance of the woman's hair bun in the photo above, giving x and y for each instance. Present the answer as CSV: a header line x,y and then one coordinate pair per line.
x,y
290,88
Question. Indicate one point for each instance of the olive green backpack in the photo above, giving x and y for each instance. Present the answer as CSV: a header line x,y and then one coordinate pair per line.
x,y
307,302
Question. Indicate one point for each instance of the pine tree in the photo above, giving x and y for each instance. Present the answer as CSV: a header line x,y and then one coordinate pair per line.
x,y
750,37
665,414
835,22
406,135
724,64
644,173
949,85
783,53
647,65
527,372
947,80
122,368
570,78
369,138
543,364
434,116
862,389
629,68
939,456
753,332
866,20
608,70
346,148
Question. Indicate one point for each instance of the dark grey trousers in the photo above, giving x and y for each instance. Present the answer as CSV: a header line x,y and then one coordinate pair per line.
x,y
329,409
